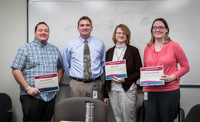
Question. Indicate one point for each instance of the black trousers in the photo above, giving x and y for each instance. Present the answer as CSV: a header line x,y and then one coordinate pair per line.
x,y
36,110
162,106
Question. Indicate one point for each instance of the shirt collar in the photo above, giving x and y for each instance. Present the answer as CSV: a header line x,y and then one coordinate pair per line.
x,y
86,39
121,46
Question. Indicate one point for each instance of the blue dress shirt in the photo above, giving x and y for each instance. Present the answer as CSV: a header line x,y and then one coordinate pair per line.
x,y
73,57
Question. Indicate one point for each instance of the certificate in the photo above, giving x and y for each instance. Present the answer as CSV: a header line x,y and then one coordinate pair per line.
x,y
151,76
115,68
47,83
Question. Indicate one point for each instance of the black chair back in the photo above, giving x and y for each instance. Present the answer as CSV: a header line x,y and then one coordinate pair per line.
x,y
194,114
5,108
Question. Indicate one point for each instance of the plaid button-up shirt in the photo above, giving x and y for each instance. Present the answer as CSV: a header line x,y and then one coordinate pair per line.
x,y
33,59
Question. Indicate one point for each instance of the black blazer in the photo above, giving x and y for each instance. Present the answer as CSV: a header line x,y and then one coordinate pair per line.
x,y
133,64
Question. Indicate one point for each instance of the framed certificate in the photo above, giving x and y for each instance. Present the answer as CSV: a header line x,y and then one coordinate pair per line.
x,y
151,76
47,83
115,68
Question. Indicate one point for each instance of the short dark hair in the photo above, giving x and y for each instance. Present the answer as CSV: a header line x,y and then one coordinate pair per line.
x,y
40,24
85,18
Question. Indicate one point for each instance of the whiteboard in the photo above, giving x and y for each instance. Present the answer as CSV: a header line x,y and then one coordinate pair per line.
x,y
182,16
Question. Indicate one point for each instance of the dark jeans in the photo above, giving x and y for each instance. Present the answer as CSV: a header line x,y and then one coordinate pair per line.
x,y
35,109
162,106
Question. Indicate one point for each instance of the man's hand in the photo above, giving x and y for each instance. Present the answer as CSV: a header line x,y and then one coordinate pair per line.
x,y
33,91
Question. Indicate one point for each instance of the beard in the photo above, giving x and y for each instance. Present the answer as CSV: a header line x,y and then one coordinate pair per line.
x,y
43,42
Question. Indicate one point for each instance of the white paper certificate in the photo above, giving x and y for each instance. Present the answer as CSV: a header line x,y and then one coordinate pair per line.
x,y
47,83
151,76
115,68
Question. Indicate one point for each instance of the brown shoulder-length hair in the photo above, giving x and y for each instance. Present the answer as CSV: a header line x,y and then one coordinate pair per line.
x,y
126,31
166,39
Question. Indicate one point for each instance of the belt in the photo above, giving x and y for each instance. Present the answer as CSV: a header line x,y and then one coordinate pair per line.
x,y
86,80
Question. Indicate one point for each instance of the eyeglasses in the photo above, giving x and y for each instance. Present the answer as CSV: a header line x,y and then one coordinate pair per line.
x,y
119,33
160,28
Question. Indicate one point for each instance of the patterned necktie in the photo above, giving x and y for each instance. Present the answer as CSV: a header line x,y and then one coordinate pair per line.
x,y
87,63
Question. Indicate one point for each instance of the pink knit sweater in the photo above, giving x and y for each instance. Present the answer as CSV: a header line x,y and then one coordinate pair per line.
x,y
169,57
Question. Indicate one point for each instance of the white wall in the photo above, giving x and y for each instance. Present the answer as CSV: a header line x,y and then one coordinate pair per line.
x,y
181,15
13,33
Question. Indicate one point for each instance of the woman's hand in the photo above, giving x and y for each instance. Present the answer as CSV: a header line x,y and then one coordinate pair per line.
x,y
106,101
168,78
118,80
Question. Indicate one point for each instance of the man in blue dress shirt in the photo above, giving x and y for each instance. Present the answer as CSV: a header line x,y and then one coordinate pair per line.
x,y
73,60
35,58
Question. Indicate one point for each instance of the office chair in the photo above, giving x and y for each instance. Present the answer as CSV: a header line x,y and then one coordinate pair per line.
x,y
5,108
74,109
193,115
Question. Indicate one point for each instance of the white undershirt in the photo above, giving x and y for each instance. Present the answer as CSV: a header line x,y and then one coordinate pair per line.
x,y
119,52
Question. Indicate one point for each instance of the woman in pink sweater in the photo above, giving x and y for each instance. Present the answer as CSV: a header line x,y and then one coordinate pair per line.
x,y
161,102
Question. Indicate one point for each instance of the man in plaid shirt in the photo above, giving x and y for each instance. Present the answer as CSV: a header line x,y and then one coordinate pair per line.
x,y
37,58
